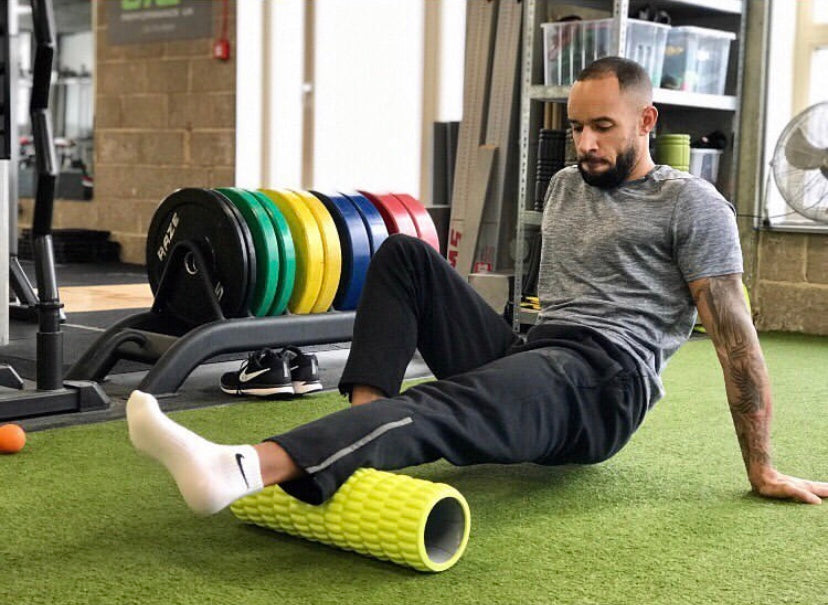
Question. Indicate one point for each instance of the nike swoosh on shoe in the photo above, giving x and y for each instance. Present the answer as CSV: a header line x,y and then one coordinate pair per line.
x,y
246,376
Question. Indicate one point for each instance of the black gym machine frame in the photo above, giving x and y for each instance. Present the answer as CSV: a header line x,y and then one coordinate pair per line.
x,y
53,395
158,337
25,308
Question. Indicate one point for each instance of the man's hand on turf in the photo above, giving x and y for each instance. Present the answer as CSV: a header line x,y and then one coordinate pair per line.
x,y
770,483
722,309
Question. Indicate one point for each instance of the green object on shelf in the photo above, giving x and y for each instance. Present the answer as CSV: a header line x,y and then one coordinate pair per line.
x,y
673,150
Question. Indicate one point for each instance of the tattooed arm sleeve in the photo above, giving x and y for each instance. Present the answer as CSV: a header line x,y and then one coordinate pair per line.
x,y
721,305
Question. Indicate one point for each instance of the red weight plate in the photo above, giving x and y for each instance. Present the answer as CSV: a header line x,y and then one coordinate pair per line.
x,y
396,217
426,230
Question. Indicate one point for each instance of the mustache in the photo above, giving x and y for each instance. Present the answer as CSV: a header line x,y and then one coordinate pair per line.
x,y
589,157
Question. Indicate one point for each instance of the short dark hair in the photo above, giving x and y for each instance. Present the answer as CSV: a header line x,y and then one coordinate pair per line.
x,y
628,73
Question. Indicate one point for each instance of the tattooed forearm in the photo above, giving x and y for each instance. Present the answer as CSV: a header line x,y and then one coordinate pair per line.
x,y
721,305
748,398
754,440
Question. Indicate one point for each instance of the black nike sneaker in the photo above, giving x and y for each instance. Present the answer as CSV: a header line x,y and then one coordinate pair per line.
x,y
264,374
304,370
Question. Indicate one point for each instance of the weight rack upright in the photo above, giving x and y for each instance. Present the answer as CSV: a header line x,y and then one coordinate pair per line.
x,y
53,395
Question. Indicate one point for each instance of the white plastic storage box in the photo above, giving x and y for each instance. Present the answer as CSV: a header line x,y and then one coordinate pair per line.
x,y
646,42
569,46
696,59
704,163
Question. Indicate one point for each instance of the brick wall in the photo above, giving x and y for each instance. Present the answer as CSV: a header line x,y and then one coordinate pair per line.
x,y
791,289
164,119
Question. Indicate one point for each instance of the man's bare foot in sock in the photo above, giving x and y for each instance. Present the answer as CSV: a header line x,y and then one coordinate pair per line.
x,y
209,476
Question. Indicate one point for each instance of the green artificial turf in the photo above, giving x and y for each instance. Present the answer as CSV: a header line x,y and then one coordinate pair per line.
x,y
669,520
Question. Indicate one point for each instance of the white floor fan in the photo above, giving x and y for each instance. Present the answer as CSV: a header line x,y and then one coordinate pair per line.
x,y
800,163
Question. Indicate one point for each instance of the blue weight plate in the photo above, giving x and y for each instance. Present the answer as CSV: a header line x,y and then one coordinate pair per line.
x,y
371,218
356,248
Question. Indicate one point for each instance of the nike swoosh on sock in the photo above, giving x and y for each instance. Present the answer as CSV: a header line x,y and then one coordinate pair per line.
x,y
239,459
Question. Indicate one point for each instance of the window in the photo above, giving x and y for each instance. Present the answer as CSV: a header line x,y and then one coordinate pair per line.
x,y
798,60
368,95
356,117
820,11
810,50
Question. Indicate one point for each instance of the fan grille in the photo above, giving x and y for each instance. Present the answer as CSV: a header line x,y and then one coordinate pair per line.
x,y
800,163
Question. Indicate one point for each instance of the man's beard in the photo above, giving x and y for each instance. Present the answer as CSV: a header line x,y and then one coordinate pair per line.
x,y
613,176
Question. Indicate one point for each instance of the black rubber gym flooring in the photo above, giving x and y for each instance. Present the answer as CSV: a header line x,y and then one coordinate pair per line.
x,y
93,274
79,333
81,329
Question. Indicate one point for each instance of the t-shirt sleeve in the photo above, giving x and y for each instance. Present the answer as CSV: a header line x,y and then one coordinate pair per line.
x,y
706,237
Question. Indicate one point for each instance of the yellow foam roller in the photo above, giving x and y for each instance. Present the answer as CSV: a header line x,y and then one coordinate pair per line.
x,y
392,517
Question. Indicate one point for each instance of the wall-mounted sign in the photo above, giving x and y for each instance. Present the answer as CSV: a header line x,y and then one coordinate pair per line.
x,y
135,21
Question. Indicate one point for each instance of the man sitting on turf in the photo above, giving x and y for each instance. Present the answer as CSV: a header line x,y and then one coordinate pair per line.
x,y
630,251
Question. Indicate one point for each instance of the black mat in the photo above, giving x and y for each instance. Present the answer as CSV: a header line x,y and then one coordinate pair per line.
x,y
79,333
92,274
82,328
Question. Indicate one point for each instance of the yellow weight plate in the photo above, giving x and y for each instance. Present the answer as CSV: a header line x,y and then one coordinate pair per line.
x,y
310,253
332,249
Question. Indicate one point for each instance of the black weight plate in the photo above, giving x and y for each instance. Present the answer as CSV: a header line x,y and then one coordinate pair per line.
x,y
251,265
216,227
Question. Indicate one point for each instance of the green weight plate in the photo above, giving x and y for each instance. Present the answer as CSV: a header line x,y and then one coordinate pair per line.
x,y
287,254
264,242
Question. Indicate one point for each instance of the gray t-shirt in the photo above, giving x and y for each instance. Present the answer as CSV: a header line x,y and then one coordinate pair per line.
x,y
619,261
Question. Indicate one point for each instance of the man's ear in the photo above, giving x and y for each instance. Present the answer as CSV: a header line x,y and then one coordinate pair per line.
x,y
648,119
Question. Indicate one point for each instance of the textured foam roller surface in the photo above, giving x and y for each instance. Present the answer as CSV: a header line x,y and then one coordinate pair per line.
x,y
392,517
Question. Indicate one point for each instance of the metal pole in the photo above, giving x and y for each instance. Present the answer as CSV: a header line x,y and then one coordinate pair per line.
x,y
4,254
308,94
13,67
49,336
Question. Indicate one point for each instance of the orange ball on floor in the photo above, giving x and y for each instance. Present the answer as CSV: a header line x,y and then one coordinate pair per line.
x,y
12,438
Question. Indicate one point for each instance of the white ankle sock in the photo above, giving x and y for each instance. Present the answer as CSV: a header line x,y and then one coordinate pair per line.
x,y
209,476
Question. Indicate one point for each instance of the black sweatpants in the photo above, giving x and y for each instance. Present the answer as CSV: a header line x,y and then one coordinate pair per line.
x,y
566,395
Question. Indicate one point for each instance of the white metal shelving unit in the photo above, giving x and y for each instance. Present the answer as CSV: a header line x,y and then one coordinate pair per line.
x,y
661,96
534,95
